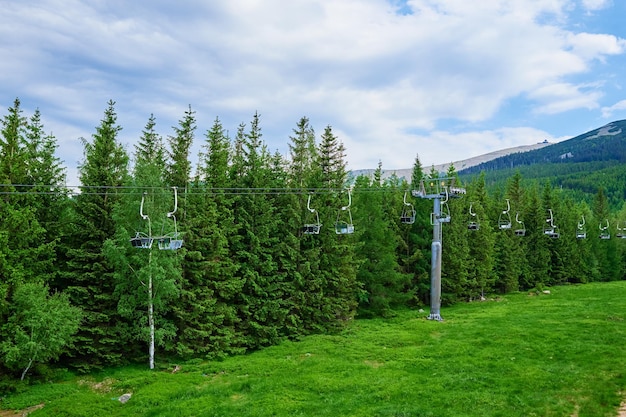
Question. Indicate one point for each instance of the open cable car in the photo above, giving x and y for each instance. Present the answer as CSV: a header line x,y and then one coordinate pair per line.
x,y
504,221
408,212
605,233
344,225
142,240
312,228
581,230
550,229
520,230
473,223
171,241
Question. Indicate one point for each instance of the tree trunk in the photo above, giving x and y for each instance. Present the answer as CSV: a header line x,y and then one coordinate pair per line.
x,y
151,315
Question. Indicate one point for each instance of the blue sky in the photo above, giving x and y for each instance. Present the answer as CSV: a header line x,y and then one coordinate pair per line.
x,y
442,79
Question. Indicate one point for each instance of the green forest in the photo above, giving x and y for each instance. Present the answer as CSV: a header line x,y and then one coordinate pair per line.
x,y
274,246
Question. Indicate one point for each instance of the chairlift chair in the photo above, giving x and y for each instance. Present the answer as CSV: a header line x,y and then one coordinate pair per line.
x,y
521,229
312,228
605,233
473,223
581,230
408,212
343,225
444,215
504,221
171,241
550,229
142,240
621,232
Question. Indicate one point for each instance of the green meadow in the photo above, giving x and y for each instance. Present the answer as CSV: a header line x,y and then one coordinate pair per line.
x,y
523,354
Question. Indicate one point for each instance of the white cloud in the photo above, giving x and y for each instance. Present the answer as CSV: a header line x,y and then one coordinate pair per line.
x,y
615,108
593,5
389,83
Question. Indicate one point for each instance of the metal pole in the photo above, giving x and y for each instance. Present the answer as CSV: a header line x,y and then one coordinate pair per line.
x,y
435,264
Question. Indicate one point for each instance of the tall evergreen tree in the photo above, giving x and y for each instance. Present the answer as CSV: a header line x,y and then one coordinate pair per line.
x,y
206,314
414,248
383,285
605,247
89,276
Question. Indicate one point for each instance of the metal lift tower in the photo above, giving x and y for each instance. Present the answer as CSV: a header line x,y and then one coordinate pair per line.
x,y
440,190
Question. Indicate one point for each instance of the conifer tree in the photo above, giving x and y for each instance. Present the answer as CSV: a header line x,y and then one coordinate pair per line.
x,y
605,248
259,307
305,210
538,253
334,300
179,169
89,276
455,250
26,250
381,282
416,241
206,314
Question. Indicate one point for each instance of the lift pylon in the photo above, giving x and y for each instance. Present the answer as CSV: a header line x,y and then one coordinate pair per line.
x,y
437,189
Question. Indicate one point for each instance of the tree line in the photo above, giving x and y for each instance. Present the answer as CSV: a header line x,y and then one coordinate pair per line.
x,y
263,258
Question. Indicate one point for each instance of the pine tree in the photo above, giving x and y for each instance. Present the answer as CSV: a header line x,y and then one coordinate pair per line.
x,y
179,169
89,276
416,241
259,309
605,247
382,283
336,285
206,315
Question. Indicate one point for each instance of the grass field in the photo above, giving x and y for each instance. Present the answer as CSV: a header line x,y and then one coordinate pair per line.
x,y
557,354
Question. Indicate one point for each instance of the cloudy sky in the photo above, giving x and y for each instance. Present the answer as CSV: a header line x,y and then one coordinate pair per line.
x,y
442,79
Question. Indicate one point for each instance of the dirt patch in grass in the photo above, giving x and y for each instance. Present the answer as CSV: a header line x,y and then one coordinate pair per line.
x,y
622,409
104,386
22,413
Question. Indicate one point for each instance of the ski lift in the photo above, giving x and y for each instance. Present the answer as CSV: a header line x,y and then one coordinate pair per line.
x,y
171,241
343,225
473,223
550,229
312,228
408,212
621,232
504,221
142,240
605,233
581,230
521,229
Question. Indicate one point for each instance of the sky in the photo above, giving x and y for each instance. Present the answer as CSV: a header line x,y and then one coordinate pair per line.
x,y
442,80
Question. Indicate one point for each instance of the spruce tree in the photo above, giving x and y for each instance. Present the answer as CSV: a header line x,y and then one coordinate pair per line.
x,y
379,277
206,314
89,276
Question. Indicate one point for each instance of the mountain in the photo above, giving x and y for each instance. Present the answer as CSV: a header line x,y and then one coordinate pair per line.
x,y
458,165
579,166
604,144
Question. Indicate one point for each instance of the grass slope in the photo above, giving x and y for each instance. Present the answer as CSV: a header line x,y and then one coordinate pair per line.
x,y
558,354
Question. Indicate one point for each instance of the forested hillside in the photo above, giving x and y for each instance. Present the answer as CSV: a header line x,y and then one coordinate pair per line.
x,y
273,246
580,165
